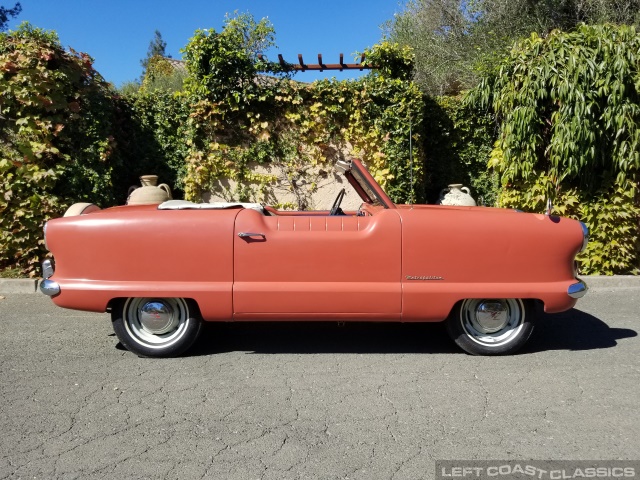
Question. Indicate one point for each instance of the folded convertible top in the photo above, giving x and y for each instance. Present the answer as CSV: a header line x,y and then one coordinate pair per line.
x,y
186,205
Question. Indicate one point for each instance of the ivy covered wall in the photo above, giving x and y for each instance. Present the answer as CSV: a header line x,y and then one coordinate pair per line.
x,y
245,111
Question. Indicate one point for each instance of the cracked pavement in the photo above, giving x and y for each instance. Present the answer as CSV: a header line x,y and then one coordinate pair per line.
x,y
311,400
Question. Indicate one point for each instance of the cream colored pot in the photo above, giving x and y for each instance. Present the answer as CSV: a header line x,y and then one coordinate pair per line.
x,y
150,192
456,194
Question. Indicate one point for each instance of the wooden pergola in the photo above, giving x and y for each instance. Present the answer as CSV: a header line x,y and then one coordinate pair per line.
x,y
321,66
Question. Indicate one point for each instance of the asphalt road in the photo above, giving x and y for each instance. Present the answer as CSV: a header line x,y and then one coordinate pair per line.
x,y
311,401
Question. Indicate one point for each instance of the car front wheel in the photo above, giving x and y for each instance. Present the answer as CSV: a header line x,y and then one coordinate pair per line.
x,y
491,326
156,327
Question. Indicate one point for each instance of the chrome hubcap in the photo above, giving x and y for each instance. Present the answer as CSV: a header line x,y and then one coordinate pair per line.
x,y
156,322
492,322
157,317
491,316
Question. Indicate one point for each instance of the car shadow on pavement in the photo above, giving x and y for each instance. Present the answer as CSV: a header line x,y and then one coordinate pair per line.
x,y
574,330
571,330
323,337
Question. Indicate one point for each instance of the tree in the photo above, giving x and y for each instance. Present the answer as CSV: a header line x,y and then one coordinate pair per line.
x,y
157,47
5,13
223,65
458,41
436,30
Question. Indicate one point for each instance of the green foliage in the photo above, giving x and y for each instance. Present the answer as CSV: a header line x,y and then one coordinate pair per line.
x,y
129,88
222,66
65,137
456,42
305,125
391,60
239,116
568,107
157,48
153,136
458,143
436,31
161,75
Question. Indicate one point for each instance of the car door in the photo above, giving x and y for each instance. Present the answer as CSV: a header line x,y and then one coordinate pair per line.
x,y
317,266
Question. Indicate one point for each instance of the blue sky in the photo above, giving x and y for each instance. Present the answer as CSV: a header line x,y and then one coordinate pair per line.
x,y
117,33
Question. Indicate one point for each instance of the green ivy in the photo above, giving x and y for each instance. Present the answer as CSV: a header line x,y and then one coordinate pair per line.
x,y
244,108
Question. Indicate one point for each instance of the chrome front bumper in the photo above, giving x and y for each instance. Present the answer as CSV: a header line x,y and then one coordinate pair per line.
x,y
48,287
577,290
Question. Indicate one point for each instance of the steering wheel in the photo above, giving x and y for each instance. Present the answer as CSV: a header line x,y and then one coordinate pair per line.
x,y
335,208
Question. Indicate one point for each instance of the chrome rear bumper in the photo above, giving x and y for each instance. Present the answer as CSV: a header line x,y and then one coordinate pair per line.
x,y
48,287
577,290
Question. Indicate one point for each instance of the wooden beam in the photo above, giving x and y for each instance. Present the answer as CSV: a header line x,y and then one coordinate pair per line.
x,y
321,66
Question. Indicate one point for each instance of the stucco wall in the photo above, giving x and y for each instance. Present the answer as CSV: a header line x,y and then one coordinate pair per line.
x,y
308,188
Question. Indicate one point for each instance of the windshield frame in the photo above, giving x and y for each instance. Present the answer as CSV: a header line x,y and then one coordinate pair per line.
x,y
364,183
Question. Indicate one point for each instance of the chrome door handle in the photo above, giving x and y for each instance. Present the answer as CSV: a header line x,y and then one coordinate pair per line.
x,y
251,234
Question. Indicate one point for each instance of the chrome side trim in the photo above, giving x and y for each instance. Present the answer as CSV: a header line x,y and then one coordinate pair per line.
x,y
585,235
49,287
577,290
45,236
47,269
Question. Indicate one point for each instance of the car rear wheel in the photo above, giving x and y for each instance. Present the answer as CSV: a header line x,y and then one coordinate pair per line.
x,y
156,327
491,326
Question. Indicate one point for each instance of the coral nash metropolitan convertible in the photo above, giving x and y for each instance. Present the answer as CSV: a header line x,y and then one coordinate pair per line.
x,y
161,270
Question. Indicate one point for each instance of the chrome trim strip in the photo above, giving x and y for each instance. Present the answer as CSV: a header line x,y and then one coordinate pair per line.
x,y
49,287
585,235
577,290
45,235
47,269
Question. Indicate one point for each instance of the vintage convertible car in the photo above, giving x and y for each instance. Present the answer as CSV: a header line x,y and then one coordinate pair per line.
x,y
161,270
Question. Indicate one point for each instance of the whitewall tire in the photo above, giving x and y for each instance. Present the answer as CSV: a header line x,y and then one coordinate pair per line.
x,y
487,326
156,327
